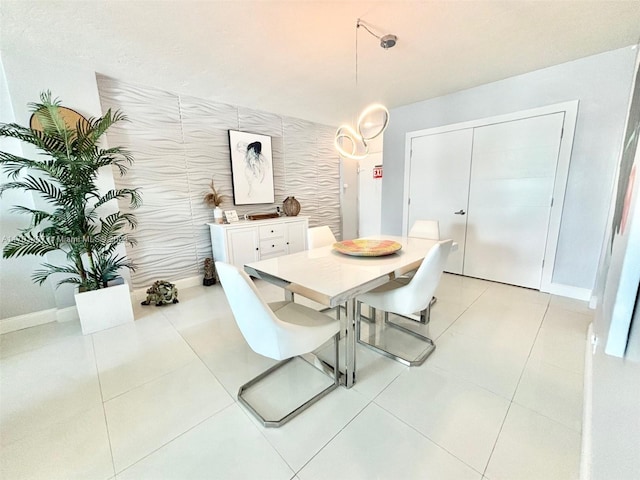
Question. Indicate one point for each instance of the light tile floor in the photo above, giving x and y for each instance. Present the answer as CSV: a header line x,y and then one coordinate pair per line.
x,y
501,397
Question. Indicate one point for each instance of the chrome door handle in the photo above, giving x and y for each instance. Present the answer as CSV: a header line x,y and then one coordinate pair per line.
x,y
459,212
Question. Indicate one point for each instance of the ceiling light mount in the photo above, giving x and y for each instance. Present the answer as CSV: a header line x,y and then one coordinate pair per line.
x,y
386,41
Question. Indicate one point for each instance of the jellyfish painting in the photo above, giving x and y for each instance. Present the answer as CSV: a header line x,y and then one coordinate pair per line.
x,y
255,165
252,168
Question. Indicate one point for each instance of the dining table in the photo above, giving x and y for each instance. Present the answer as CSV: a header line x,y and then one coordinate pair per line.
x,y
335,279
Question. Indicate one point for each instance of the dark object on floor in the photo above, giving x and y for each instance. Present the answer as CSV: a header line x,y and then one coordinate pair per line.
x,y
209,272
161,293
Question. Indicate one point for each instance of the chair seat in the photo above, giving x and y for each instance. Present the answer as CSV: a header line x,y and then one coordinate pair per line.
x,y
304,329
388,297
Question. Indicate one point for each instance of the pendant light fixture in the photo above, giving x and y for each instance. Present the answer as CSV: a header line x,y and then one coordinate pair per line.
x,y
352,143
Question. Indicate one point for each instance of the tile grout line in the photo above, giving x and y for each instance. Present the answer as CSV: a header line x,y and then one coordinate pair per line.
x,y
173,439
515,391
104,411
232,395
462,313
427,438
334,436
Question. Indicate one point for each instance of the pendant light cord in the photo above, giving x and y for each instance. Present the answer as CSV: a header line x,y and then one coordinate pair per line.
x,y
357,26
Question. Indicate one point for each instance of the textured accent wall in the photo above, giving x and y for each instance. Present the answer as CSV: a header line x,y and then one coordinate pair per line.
x,y
180,143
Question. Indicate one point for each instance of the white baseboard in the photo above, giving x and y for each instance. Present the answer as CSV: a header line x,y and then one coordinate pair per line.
x,y
27,320
587,409
569,291
34,319
67,314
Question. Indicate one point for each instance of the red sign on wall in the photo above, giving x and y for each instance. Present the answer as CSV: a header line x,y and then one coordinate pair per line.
x,y
377,171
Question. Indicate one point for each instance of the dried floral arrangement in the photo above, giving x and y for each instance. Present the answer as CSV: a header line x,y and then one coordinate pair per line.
x,y
213,198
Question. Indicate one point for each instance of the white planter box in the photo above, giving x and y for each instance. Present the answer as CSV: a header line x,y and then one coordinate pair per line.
x,y
104,308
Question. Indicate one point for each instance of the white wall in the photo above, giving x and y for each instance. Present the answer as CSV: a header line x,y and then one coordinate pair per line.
x,y
601,83
179,143
613,431
15,274
370,191
26,78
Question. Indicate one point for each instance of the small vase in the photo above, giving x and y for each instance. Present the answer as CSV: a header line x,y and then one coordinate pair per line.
x,y
217,215
291,206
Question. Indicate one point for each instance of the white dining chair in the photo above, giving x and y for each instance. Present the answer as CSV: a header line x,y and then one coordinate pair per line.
x,y
406,298
429,229
425,229
320,237
280,330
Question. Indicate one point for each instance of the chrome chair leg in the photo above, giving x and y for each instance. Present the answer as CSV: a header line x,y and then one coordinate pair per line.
x,y
409,362
281,421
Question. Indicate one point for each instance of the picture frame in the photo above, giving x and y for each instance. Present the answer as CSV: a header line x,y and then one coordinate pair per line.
x,y
231,216
251,168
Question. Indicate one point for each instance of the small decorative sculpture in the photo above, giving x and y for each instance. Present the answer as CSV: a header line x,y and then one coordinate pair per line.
x,y
209,272
291,206
161,293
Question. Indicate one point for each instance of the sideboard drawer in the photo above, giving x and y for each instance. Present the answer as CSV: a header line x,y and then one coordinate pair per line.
x,y
272,247
270,231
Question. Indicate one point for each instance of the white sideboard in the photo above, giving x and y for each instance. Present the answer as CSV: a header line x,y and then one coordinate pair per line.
x,y
252,240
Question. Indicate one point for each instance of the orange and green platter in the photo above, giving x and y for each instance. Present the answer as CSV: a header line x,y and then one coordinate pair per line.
x,y
367,248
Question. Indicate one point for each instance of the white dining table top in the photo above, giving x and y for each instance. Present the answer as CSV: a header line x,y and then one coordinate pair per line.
x,y
331,278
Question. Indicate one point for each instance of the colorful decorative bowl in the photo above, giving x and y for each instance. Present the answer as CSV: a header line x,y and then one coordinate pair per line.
x,y
367,248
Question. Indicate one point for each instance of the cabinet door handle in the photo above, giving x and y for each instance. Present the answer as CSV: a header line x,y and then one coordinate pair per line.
x,y
257,248
273,246
459,212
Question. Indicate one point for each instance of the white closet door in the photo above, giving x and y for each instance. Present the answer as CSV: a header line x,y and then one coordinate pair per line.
x,y
513,171
439,186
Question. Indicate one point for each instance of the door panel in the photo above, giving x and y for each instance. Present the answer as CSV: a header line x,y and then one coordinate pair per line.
x,y
512,178
439,186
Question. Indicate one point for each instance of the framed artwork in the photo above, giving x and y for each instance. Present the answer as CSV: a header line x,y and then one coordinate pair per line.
x,y
251,168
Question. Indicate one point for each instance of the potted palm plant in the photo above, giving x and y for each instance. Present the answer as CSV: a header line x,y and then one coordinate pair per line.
x,y
75,218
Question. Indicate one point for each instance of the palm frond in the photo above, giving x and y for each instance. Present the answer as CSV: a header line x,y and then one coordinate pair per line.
x,y
41,276
40,139
30,244
46,189
37,216
135,200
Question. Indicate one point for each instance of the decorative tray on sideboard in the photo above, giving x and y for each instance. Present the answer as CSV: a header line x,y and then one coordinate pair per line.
x,y
262,216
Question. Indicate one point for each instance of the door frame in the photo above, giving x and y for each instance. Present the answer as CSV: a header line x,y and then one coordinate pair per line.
x,y
570,110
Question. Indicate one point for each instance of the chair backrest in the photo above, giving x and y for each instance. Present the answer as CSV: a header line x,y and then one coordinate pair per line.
x,y
416,295
256,321
320,237
425,229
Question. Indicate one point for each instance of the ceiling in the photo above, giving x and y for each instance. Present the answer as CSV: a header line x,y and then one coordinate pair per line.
x,y
298,58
